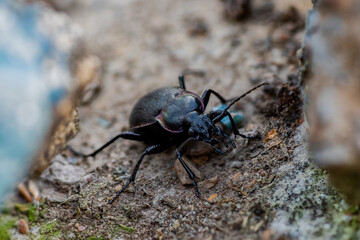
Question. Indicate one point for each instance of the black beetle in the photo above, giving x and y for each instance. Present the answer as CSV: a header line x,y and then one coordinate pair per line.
x,y
173,116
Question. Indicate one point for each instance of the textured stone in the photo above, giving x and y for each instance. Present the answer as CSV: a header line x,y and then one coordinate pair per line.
x,y
62,174
332,49
183,175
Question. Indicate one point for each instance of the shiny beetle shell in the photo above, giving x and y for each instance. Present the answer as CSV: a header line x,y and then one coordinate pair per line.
x,y
166,106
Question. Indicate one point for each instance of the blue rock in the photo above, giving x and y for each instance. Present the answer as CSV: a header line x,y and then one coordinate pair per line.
x,y
34,78
237,116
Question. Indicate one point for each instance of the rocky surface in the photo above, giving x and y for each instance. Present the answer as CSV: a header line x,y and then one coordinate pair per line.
x,y
266,188
331,43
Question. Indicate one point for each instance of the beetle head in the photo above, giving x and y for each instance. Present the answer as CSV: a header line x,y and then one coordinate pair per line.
x,y
201,128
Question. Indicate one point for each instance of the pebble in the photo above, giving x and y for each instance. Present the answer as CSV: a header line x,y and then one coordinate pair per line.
x,y
209,183
199,149
118,187
182,174
81,228
23,227
63,174
235,164
201,160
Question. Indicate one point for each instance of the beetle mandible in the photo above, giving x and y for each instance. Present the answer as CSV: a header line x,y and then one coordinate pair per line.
x,y
172,116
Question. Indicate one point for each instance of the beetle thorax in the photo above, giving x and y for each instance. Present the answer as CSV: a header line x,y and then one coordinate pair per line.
x,y
173,114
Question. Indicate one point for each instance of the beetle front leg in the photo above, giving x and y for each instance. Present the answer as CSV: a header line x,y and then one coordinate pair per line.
x,y
179,154
215,117
190,173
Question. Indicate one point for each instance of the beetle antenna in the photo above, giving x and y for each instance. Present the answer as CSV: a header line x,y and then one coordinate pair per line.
x,y
243,95
235,100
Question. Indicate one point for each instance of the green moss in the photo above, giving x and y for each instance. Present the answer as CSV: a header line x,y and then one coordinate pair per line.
x,y
33,214
127,229
320,203
116,229
6,223
324,202
48,227
348,222
29,209
49,230
43,213
6,210
94,238
23,208
318,174
353,210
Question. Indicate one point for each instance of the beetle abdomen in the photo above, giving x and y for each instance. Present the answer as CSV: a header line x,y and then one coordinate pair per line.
x,y
151,105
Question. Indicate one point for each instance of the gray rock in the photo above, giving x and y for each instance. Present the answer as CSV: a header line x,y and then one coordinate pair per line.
x,y
331,90
62,173
42,74
51,194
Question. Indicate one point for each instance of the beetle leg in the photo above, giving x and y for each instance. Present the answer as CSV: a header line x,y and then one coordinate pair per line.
x,y
148,151
230,140
222,135
187,169
214,117
182,82
225,144
206,96
189,72
218,151
234,128
125,135
215,114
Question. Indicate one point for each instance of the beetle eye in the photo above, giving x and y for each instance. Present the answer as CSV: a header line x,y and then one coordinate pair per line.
x,y
191,132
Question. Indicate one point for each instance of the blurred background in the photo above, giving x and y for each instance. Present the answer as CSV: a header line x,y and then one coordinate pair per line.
x,y
71,71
